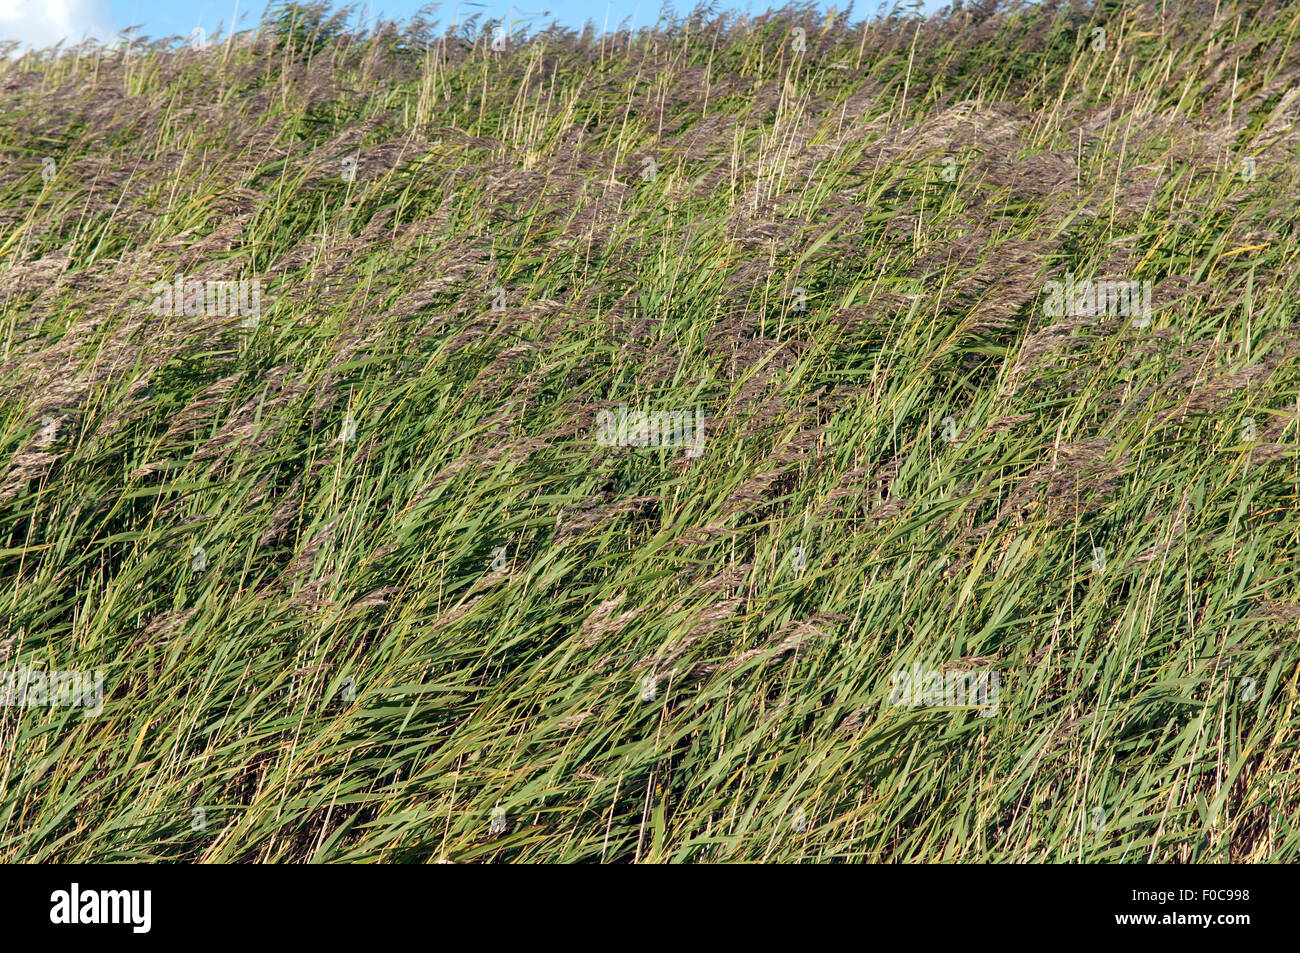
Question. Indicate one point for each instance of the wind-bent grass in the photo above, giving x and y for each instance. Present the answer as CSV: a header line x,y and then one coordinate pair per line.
x,y
838,256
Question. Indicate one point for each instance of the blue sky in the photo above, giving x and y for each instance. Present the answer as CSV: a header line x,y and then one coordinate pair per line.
x,y
42,22
183,17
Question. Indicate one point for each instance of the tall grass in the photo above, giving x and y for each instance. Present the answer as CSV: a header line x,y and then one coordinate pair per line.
x,y
838,256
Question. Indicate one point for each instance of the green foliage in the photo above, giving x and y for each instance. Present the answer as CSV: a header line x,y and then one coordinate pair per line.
x,y
1112,531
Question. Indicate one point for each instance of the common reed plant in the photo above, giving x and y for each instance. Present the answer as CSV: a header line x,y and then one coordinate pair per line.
x,y
364,584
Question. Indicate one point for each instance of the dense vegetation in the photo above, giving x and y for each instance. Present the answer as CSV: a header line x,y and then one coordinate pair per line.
x,y
364,586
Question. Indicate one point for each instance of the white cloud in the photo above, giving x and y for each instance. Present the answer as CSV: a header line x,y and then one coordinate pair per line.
x,y
42,23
